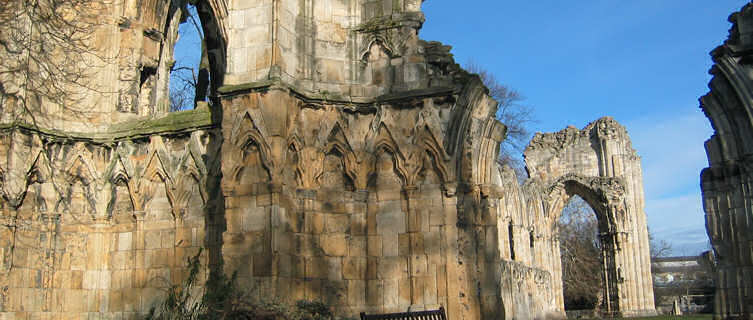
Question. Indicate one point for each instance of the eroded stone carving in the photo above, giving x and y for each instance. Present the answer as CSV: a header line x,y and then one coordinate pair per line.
x,y
727,181
598,164
340,159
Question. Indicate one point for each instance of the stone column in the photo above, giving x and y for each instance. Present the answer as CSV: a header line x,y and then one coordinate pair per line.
x,y
52,221
413,231
450,246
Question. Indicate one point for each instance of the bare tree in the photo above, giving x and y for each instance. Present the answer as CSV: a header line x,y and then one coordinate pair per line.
x,y
658,248
189,84
46,53
513,113
581,256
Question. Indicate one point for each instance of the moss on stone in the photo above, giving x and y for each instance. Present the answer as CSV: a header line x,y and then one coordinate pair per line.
x,y
377,24
174,122
233,88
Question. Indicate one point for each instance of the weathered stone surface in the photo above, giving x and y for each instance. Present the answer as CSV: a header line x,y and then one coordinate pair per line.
x,y
341,159
726,183
598,164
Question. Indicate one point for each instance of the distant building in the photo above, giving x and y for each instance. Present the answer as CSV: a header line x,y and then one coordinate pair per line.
x,y
687,279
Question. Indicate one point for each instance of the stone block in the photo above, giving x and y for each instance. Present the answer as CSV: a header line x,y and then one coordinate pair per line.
x,y
298,266
314,223
356,293
263,265
404,291
168,239
430,290
390,245
298,289
390,222
372,268
392,268
391,293
316,268
125,241
354,268
335,292
255,219
358,224
77,279
357,246
338,223
417,243
121,279
374,244
313,289
375,292
334,245
334,268
403,244
419,265
152,239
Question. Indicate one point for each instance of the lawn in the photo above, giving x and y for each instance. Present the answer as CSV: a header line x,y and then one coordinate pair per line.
x,y
687,317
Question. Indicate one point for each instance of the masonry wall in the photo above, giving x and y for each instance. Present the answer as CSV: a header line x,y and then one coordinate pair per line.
x,y
98,228
727,181
340,158
598,164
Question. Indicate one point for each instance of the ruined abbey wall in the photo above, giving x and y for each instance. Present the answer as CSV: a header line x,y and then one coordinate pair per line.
x,y
598,164
340,158
726,183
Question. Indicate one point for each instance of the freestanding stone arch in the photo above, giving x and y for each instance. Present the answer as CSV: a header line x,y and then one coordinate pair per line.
x,y
599,165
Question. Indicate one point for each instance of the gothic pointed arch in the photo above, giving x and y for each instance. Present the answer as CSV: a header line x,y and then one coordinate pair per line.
x,y
337,143
428,140
247,134
383,142
79,167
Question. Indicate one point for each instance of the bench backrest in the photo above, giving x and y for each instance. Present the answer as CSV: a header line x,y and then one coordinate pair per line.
x,y
415,315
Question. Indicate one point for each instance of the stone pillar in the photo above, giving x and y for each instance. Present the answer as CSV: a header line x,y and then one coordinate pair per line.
x,y
450,245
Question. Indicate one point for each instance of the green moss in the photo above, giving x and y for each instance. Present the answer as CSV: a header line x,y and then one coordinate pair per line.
x,y
377,24
232,88
171,122
174,122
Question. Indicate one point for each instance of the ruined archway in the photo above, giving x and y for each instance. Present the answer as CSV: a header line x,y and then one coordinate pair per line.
x,y
147,63
727,180
598,164
593,191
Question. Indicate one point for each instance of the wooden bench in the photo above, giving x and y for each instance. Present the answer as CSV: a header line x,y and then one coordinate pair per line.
x,y
416,315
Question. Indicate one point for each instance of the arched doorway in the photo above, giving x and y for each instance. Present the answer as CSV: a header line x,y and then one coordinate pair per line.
x,y
577,230
598,164
621,262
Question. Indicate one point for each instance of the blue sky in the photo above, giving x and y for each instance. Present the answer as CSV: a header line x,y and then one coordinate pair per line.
x,y
643,62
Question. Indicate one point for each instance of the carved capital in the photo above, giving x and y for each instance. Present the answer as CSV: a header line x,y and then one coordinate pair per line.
x,y
309,167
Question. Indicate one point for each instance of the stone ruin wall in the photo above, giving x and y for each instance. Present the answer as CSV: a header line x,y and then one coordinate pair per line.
x,y
726,183
598,164
95,225
341,159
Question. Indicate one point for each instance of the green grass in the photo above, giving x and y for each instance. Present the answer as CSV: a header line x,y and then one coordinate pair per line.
x,y
688,317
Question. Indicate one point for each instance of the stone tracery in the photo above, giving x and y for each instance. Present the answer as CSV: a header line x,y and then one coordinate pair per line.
x,y
422,216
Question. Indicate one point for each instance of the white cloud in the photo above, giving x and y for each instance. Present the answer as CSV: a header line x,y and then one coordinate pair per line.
x,y
673,156
672,151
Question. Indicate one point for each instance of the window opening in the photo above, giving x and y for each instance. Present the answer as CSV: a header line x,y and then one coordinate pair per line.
x,y
189,72
511,241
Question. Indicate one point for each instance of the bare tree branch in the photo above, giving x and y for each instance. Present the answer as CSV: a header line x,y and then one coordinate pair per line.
x,y
47,53
513,113
581,256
